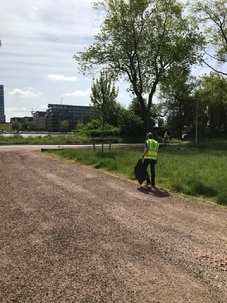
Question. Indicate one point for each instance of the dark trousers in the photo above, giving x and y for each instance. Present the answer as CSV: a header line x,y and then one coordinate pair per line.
x,y
152,163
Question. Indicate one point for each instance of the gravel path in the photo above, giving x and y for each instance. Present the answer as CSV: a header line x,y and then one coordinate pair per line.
x,y
73,234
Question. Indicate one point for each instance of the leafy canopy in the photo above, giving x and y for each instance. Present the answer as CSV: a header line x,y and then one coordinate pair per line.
x,y
141,41
103,96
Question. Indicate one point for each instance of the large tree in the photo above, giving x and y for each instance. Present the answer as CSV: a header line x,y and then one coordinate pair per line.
x,y
141,41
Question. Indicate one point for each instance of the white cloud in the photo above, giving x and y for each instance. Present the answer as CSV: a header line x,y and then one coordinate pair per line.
x,y
23,94
79,93
43,108
39,39
56,77
18,112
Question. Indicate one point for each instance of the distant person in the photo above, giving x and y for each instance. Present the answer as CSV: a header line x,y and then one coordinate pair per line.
x,y
166,137
150,158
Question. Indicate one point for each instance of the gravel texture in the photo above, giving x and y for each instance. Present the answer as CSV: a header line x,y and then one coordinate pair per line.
x,y
74,234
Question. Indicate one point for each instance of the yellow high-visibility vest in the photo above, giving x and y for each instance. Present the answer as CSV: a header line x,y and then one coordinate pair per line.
x,y
152,149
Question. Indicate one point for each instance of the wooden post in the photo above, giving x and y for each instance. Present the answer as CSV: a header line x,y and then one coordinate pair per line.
x,y
93,143
196,123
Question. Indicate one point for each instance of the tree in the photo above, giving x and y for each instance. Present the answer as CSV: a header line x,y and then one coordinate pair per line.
x,y
16,126
64,125
140,41
114,114
179,102
213,14
103,97
31,126
131,126
212,93
136,108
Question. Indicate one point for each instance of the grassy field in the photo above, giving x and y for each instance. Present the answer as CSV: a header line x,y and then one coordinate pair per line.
x,y
199,170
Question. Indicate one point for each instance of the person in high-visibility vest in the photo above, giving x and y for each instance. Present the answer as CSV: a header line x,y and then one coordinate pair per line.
x,y
150,158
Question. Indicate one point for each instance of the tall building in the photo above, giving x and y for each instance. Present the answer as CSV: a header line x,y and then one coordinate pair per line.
x,y
2,107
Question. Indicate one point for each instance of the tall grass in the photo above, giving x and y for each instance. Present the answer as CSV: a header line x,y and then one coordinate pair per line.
x,y
195,173
187,169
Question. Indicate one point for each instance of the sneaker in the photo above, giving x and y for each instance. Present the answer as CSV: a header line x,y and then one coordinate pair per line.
x,y
147,185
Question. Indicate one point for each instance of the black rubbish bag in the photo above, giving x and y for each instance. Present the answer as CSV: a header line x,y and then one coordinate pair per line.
x,y
140,171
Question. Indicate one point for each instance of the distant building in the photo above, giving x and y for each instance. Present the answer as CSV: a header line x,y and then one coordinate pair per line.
x,y
21,119
39,120
2,107
72,113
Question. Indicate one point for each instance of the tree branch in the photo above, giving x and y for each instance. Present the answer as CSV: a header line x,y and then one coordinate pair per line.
x,y
214,69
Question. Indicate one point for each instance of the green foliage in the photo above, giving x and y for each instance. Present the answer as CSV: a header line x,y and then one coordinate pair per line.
x,y
114,114
106,134
5,126
179,104
64,125
103,96
84,129
142,41
98,132
16,126
212,94
95,131
131,126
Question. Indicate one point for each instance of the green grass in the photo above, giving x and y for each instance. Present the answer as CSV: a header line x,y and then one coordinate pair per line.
x,y
63,139
192,170
115,160
195,173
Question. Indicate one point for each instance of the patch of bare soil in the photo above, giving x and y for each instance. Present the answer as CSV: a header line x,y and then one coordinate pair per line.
x,y
73,234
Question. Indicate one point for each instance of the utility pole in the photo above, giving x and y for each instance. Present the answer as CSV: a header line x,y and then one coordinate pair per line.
x,y
196,122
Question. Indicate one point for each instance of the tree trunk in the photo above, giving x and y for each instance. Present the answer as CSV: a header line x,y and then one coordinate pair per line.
x,y
148,123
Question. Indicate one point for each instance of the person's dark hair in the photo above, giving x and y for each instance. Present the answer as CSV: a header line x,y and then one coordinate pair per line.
x,y
149,135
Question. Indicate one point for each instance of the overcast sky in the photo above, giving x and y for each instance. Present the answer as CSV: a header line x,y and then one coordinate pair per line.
x,y
39,39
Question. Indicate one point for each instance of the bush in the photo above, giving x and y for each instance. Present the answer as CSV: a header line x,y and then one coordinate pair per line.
x,y
111,132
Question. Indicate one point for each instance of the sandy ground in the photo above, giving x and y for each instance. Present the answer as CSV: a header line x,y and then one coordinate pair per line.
x,y
73,234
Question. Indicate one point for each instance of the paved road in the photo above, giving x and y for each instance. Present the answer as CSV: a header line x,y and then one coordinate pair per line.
x,y
73,234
